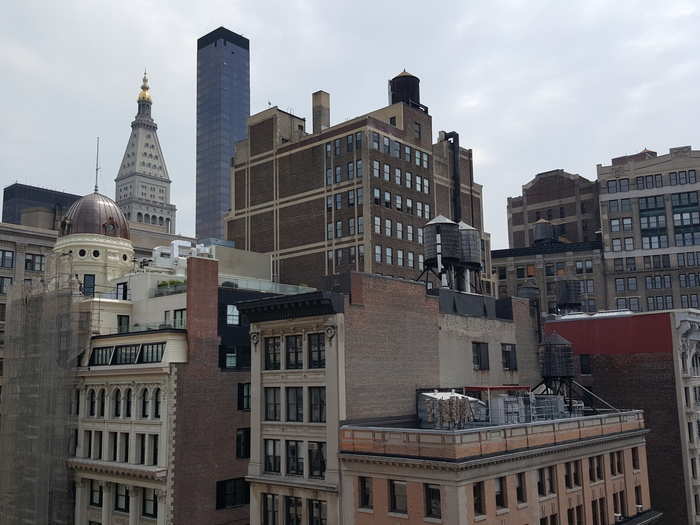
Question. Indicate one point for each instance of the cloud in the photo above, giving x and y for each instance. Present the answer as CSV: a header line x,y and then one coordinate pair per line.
x,y
530,86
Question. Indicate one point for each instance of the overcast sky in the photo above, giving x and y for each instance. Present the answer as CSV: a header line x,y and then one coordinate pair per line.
x,y
530,86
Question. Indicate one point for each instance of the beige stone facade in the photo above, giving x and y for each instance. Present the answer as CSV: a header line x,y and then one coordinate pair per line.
x,y
650,220
574,471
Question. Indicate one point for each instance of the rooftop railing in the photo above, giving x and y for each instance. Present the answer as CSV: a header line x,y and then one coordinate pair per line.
x,y
485,440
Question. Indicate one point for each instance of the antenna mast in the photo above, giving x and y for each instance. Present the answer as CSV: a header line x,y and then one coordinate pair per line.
x,y
97,163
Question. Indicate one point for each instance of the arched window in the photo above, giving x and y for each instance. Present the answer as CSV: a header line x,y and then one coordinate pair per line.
x,y
147,219
160,221
139,217
127,403
117,411
154,219
156,403
145,402
101,404
91,403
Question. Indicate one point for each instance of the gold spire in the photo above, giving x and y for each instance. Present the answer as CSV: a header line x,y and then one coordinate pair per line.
x,y
145,95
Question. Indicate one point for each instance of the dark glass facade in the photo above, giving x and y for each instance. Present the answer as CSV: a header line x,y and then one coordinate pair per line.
x,y
18,197
223,107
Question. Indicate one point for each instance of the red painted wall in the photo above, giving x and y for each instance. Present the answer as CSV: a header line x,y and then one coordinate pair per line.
x,y
633,334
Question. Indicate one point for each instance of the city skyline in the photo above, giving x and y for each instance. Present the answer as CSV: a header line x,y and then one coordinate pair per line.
x,y
610,88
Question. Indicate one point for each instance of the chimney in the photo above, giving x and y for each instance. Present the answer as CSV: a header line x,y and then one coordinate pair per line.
x,y
321,104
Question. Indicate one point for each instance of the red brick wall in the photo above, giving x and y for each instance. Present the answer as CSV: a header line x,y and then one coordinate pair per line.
x,y
206,416
632,367
633,334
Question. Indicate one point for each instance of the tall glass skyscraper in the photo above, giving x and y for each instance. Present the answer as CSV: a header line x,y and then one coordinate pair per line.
x,y
223,107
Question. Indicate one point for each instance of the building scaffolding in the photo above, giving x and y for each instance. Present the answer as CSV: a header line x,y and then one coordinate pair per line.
x,y
45,336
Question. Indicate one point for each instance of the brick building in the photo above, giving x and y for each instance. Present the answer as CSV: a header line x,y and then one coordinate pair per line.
x,y
349,197
573,471
335,393
545,265
568,201
649,361
650,216
322,359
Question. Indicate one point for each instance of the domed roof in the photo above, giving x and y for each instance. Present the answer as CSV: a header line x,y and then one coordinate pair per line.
x,y
95,213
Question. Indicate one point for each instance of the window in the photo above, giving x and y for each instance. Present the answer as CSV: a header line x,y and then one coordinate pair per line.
x,y
365,490
358,168
397,199
269,509
629,244
614,225
33,262
272,455
272,403
232,493
479,506
317,401
7,259
399,257
243,396
295,458
293,352
595,468
292,510
616,463
272,353
386,172
295,403
432,501
620,285
501,492
617,245
179,318
375,140
121,497
329,176
233,318
546,481
95,493
88,284
572,475
317,351
388,255
410,259
521,487
387,227
375,168
387,199
397,497
317,512
317,459
480,356
612,186
377,253
508,356
243,443
635,458
397,176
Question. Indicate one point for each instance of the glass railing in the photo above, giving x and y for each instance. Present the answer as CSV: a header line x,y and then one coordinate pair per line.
x,y
262,285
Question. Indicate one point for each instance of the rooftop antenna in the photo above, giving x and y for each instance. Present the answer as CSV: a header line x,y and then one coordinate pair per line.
x,y
97,163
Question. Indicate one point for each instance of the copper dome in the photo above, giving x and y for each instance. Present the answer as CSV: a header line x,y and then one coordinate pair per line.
x,y
95,213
